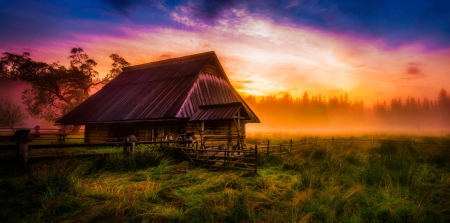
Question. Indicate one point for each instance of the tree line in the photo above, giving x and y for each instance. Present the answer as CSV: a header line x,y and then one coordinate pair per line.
x,y
413,107
340,110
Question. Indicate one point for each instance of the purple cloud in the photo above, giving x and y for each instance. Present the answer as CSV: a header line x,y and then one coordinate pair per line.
x,y
413,70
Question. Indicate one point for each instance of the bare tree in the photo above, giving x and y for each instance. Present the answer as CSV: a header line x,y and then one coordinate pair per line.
x,y
10,115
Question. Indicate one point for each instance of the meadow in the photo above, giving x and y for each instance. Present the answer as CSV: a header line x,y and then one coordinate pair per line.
x,y
329,182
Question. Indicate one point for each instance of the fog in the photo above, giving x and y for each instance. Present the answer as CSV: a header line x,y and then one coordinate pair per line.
x,y
12,90
317,115
340,115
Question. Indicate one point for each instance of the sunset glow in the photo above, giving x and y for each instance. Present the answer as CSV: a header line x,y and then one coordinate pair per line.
x,y
264,50
225,111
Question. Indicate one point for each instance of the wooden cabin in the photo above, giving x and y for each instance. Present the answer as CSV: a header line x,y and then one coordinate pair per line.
x,y
167,100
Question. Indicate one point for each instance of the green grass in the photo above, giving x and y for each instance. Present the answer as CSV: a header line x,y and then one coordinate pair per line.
x,y
339,182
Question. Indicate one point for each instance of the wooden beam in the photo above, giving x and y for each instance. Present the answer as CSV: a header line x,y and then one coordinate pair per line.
x,y
202,132
153,132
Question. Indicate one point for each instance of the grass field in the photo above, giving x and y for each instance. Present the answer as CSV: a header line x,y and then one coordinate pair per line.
x,y
339,182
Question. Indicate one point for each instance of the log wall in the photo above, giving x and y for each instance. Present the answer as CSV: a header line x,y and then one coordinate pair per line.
x,y
96,133
215,132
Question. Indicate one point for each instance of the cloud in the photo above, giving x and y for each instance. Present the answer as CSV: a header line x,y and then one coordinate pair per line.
x,y
391,23
204,45
165,56
125,6
270,46
211,9
292,4
121,6
413,70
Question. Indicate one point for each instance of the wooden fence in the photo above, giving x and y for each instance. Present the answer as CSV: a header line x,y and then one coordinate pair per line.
x,y
275,149
43,134
286,149
214,157
208,157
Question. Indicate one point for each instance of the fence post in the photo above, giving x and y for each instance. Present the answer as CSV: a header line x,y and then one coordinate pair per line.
x,y
268,146
196,153
37,133
132,141
23,154
22,137
227,155
290,146
125,145
256,159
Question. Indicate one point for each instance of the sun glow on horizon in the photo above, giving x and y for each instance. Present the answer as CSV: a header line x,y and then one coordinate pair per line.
x,y
262,57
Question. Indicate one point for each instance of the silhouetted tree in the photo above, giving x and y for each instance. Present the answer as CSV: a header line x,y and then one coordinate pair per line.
x,y
381,108
55,89
10,115
305,99
117,65
444,105
443,99
426,106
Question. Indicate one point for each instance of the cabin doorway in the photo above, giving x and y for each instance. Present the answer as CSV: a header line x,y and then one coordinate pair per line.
x,y
121,130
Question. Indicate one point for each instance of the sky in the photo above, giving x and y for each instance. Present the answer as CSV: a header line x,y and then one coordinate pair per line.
x,y
371,50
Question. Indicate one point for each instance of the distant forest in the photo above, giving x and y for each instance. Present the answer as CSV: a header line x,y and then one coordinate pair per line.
x,y
340,111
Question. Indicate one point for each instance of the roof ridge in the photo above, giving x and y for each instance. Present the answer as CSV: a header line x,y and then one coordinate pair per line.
x,y
170,61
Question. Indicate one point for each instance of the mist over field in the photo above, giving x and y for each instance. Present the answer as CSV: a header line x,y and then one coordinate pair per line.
x,y
12,91
340,115
316,114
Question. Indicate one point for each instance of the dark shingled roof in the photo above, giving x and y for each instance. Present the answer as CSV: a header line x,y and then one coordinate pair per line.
x,y
178,88
225,112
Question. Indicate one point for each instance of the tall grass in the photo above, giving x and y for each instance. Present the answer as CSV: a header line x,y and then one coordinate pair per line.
x,y
54,189
333,182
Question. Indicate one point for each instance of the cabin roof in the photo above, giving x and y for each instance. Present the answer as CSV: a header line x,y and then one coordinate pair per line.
x,y
174,88
216,113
